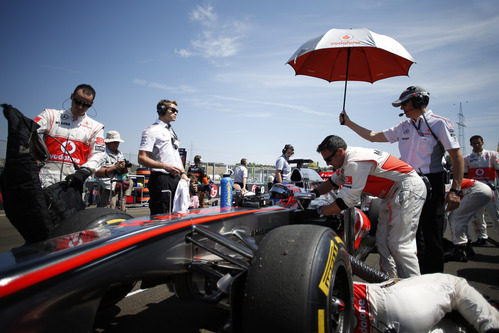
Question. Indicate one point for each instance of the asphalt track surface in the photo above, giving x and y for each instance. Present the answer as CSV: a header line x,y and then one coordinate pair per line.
x,y
158,310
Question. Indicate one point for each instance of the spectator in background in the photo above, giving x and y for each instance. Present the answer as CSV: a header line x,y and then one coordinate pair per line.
x,y
113,166
241,175
282,167
197,171
423,140
483,165
159,151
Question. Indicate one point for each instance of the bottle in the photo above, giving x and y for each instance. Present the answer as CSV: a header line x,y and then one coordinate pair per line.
x,y
226,190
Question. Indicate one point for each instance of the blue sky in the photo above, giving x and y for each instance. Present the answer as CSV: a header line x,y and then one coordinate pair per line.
x,y
224,62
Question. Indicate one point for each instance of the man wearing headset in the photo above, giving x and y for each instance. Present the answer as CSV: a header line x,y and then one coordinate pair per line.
x,y
282,167
73,139
159,151
423,140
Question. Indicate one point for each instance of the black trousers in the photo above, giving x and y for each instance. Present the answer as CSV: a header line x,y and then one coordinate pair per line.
x,y
240,184
162,189
429,237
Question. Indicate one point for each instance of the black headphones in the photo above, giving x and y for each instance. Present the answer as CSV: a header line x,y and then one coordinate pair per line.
x,y
420,98
286,147
162,108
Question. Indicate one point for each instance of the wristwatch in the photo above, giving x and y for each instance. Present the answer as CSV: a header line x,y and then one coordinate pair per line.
x,y
458,192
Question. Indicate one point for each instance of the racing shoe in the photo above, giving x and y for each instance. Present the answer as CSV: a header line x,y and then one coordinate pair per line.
x,y
469,249
479,242
458,254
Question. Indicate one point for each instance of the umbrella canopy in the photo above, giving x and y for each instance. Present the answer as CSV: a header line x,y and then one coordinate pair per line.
x,y
372,56
351,55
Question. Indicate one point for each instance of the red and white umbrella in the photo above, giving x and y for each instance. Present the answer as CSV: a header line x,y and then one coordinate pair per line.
x,y
351,54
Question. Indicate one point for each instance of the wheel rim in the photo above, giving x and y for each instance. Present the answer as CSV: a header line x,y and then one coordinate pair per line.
x,y
336,313
339,302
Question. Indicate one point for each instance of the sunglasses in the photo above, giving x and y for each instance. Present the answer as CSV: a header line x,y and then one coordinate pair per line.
x,y
173,110
81,103
330,157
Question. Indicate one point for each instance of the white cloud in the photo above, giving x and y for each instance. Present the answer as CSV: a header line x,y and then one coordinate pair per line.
x,y
428,36
205,15
217,39
295,107
183,53
157,85
216,46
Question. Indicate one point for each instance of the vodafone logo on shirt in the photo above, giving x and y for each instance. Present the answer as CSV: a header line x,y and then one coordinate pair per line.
x,y
480,172
68,147
348,180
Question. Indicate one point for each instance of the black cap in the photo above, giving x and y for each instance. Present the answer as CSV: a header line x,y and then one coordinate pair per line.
x,y
409,93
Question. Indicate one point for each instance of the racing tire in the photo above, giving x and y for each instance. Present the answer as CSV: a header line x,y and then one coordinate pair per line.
x,y
300,280
87,219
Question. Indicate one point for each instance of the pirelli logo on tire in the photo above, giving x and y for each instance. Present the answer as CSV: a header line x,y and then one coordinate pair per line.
x,y
326,276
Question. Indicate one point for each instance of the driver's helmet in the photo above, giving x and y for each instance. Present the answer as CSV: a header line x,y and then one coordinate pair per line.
x,y
283,194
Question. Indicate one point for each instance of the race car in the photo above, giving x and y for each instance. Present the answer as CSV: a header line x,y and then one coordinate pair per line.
x,y
280,263
216,255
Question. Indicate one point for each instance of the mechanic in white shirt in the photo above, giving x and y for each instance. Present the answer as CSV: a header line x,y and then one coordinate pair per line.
x,y
241,175
423,139
159,151
379,174
483,165
476,195
282,167
418,304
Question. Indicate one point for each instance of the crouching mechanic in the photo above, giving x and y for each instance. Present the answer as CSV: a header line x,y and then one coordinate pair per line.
x,y
379,174
475,196
73,140
419,303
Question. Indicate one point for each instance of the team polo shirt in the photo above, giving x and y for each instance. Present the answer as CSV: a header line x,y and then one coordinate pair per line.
x,y
282,164
482,166
417,145
157,140
240,173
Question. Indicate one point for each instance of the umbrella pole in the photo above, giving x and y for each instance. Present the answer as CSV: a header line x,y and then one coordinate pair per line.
x,y
342,118
346,79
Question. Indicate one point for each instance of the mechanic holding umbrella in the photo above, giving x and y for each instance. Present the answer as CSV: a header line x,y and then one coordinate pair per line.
x,y
423,140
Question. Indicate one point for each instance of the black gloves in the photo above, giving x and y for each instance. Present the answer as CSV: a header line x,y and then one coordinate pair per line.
x,y
77,179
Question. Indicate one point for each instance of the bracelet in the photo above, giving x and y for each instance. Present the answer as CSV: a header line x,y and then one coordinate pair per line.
x,y
458,192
